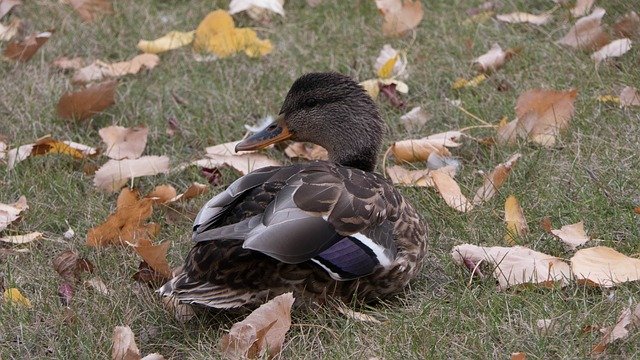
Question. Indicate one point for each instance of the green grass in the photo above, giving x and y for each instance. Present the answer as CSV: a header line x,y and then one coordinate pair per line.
x,y
441,315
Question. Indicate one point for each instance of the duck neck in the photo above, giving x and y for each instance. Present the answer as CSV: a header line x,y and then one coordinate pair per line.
x,y
364,160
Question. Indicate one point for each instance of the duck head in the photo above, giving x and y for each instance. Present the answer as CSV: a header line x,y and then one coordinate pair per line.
x,y
330,110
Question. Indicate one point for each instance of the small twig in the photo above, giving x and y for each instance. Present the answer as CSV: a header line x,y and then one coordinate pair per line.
x,y
478,127
471,115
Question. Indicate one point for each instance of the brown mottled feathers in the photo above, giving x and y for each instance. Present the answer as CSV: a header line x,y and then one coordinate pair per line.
x,y
272,230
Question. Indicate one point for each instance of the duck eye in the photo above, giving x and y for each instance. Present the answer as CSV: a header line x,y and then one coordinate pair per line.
x,y
272,127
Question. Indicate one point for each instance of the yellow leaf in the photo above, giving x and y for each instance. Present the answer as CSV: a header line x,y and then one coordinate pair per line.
x,y
371,87
217,34
514,217
172,40
387,69
14,296
459,83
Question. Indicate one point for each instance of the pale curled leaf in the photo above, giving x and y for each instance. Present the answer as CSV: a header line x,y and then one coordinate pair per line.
x,y
572,235
262,332
629,96
390,63
115,173
629,318
124,344
450,191
492,60
603,266
582,8
614,49
514,218
495,179
516,265
544,114
587,33
124,142
21,239
522,17
7,5
244,161
11,212
100,70
172,40
400,16
236,6
306,151
402,176
415,118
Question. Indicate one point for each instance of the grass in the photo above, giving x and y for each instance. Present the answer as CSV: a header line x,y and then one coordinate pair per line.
x,y
593,176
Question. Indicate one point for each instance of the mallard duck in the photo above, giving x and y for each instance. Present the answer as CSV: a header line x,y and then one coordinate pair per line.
x,y
323,229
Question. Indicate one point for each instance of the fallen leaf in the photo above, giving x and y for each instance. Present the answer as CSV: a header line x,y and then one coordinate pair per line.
x,y
262,332
224,155
628,26
522,17
195,189
400,16
546,225
616,48
124,142
124,344
154,255
147,275
460,83
514,218
603,266
587,33
13,296
518,356
415,118
415,150
181,312
450,191
162,194
516,265
495,179
390,92
89,10
627,320
218,35
572,235
8,32
306,151
100,70
546,326
257,9
390,63
21,239
629,96
86,103
543,114
7,5
98,285
24,50
172,40
493,59
65,63
70,266
127,223
11,212
609,99
47,145
114,174
582,8
402,176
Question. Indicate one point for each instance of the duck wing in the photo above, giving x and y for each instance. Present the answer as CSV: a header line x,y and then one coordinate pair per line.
x,y
339,218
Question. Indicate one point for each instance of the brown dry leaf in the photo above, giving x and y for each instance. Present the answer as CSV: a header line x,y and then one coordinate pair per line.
x,y
518,356
69,265
114,174
516,265
262,332
83,104
21,239
224,155
450,191
24,50
629,96
154,255
13,296
89,10
124,344
98,285
306,151
127,223
616,48
603,266
572,235
514,218
495,179
162,194
587,33
628,26
195,189
493,59
543,114
420,149
522,17
11,212
582,8
48,145
100,70
7,5
400,16
65,63
415,118
628,319
147,275
124,142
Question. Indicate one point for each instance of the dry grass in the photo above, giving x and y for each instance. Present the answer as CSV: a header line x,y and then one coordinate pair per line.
x,y
593,177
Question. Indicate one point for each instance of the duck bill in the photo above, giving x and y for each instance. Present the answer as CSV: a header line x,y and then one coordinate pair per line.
x,y
274,133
